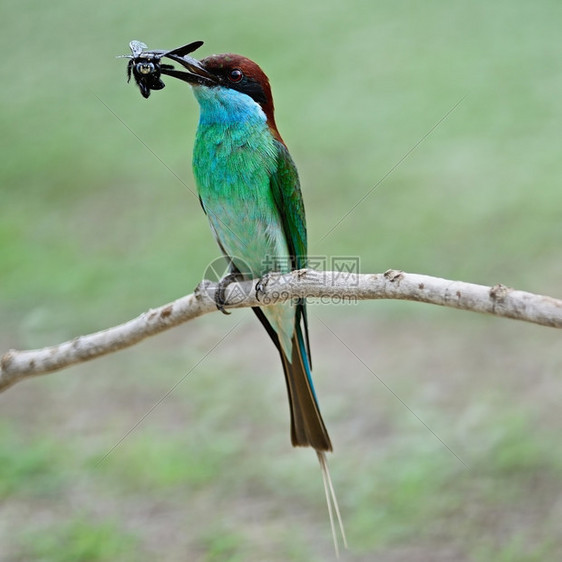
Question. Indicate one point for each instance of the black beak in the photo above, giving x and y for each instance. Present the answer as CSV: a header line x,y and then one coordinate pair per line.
x,y
196,72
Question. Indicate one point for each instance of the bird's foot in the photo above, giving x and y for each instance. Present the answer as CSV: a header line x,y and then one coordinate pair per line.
x,y
222,285
261,285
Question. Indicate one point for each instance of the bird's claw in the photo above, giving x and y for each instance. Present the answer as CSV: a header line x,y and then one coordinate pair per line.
x,y
220,291
261,285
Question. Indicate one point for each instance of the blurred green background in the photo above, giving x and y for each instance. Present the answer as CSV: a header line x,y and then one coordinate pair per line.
x,y
95,229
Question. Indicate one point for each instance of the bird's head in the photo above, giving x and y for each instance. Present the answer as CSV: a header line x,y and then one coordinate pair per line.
x,y
229,71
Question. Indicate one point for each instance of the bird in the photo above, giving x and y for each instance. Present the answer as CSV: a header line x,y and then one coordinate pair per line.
x,y
249,188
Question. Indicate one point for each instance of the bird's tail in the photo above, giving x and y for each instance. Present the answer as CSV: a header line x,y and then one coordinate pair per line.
x,y
307,426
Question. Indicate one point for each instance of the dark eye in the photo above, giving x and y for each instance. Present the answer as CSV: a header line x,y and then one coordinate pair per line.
x,y
235,75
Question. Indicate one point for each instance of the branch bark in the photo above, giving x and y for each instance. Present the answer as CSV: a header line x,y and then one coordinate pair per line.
x,y
274,288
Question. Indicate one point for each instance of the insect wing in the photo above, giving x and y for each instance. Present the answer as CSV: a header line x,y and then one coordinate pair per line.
x,y
137,47
185,49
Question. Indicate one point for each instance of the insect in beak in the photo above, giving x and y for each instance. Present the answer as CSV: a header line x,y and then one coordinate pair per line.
x,y
146,66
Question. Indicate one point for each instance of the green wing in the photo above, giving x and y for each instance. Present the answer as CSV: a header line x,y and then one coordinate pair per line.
x,y
286,191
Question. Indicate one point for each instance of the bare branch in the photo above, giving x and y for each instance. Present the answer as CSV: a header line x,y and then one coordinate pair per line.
x,y
306,283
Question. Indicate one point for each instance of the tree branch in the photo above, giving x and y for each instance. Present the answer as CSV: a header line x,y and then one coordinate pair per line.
x,y
332,286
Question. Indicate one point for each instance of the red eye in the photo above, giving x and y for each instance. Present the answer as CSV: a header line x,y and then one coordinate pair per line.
x,y
236,75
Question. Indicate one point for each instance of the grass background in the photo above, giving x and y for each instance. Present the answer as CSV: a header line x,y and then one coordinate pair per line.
x,y
457,108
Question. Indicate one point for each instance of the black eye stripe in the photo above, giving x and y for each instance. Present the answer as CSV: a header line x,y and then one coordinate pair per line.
x,y
234,77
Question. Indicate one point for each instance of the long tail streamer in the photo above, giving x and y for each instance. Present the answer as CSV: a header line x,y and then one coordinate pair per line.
x,y
332,502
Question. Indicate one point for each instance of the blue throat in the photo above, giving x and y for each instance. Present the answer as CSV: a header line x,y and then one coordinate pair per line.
x,y
221,105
